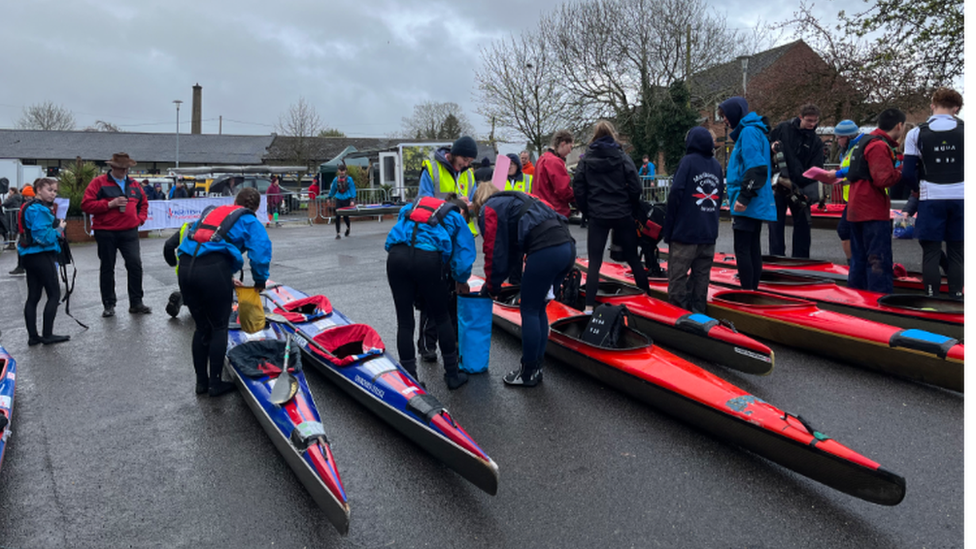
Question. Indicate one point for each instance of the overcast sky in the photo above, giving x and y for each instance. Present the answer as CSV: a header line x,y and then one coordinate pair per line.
x,y
362,64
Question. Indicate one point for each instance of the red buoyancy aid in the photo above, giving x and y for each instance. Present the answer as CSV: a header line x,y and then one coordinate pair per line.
x,y
216,221
429,210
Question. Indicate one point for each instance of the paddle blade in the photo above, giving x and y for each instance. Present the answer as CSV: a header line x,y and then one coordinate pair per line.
x,y
275,317
284,389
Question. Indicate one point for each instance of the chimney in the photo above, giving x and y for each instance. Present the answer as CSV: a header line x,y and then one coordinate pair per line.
x,y
197,109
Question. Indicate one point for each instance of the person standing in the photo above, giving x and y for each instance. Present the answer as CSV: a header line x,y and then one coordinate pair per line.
x,y
206,276
517,181
343,190
178,190
448,171
802,149
647,170
608,192
551,181
118,206
525,159
484,171
872,171
517,225
847,134
748,185
429,242
274,201
38,248
934,160
691,224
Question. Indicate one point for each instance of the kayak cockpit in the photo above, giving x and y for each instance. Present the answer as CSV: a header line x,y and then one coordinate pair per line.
x,y
628,339
775,278
923,303
748,298
609,288
792,261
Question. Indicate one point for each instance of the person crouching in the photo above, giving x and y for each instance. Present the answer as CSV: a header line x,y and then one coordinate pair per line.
x,y
430,239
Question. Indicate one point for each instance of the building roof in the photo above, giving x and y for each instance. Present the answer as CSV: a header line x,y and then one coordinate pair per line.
x,y
721,79
143,147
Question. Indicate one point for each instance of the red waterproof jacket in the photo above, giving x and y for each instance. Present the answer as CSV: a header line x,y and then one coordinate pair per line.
x,y
551,182
101,191
868,200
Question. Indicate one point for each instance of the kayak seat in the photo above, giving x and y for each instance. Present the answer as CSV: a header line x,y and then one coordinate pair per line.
x,y
696,323
305,309
425,406
264,357
782,279
920,340
574,327
614,289
349,344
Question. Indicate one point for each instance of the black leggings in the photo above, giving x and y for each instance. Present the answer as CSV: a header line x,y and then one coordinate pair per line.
x,y
748,256
931,272
596,242
42,274
208,291
342,204
414,273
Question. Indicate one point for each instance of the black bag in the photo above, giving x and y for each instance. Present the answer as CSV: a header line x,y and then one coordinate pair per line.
x,y
570,290
605,326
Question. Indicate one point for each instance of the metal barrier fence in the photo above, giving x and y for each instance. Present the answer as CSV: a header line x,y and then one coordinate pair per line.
x,y
9,229
655,188
291,207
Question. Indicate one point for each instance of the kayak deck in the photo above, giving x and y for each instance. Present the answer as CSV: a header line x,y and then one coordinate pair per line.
x,y
681,389
8,382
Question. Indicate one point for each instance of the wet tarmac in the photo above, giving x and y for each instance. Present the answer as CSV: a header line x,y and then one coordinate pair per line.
x,y
112,448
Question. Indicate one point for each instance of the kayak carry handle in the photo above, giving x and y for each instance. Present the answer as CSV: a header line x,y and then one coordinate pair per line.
x,y
920,340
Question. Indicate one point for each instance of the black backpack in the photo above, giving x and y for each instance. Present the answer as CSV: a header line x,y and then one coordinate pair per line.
x,y
570,290
606,326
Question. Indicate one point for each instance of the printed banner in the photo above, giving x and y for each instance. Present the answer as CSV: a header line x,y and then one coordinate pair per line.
x,y
172,214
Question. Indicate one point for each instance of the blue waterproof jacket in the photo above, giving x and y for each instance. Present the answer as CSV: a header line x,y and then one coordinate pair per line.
x,y
39,220
350,189
451,238
696,193
751,150
248,234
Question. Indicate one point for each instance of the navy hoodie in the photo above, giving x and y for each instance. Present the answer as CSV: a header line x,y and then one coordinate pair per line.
x,y
696,193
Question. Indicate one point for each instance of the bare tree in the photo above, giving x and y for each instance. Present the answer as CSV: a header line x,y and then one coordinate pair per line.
x,y
518,89
46,116
302,123
102,126
880,75
428,119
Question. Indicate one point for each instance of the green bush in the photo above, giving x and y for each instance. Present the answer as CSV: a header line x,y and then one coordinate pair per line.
x,y
72,184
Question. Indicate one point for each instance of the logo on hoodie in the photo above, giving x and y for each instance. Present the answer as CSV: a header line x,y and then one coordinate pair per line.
x,y
706,191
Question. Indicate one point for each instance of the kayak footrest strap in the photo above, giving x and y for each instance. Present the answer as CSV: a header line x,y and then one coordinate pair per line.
x,y
920,340
696,323
424,406
306,434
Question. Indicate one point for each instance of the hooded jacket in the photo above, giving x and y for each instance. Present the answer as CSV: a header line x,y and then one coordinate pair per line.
x,y
427,180
508,236
606,184
751,152
350,192
551,182
803,150
868,199
40,221
246,234
696,193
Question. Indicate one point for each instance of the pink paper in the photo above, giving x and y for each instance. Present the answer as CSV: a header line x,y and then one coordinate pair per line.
x,y
500,175
822,175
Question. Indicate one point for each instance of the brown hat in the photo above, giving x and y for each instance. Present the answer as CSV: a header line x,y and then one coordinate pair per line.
x,y
121,160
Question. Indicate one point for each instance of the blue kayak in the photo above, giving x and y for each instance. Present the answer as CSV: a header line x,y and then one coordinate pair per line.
x,y
8,379
353,357
295,427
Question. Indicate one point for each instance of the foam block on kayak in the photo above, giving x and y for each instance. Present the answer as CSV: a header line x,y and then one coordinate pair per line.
x,y
696,323
927,342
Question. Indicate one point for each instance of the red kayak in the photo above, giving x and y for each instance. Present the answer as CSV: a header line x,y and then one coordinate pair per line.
x,y
939,316
696,334
687,392
911,354
911,283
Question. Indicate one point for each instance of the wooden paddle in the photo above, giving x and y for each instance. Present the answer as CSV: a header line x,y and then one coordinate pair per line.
x,y
286,385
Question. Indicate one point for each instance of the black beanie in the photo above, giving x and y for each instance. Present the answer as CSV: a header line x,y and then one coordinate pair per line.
x,y
465,146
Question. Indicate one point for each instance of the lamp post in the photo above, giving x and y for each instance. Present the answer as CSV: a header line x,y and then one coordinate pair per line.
x,y
178,102
744,59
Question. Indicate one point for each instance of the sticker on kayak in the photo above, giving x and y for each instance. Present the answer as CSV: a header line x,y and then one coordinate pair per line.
x,y
741,403
323,323
5,402
10,376
753,354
